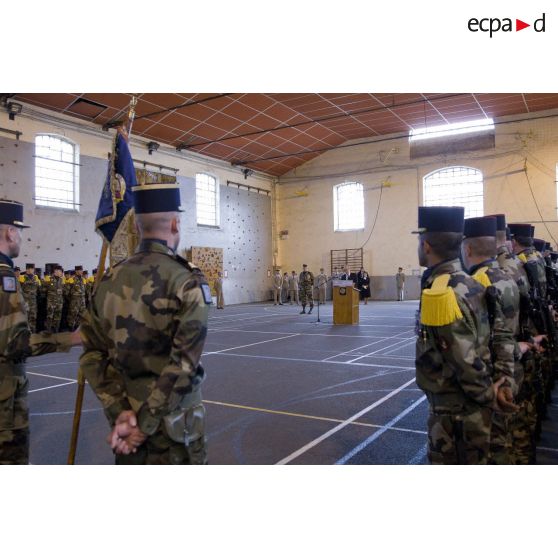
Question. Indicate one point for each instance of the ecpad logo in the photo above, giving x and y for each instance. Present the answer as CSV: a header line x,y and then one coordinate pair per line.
x,y
494,25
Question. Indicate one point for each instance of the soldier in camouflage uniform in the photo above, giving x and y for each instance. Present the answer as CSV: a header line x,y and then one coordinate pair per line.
x,y
76,298
522,243
550,355
86,288
502,299
306,287
16,343
144,337
523,449
30,286
54,288
452,356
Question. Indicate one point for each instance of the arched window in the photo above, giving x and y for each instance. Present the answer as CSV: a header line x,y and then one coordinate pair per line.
x,y
207,200
348,206
455,186
56,172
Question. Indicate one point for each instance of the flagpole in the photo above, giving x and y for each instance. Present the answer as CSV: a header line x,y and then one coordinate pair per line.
x,y
126,129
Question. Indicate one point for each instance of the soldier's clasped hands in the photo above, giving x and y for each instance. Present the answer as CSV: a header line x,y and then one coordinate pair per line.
x,y
126,437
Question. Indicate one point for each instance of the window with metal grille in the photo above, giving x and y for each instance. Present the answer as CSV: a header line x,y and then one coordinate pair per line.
x,y
56,172
462,186
348,206
207,200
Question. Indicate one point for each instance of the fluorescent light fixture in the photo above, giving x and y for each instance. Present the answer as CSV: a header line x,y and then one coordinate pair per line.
x,y
431,132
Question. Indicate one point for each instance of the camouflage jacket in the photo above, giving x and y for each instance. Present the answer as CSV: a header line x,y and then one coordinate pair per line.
x,y
512,265
75,287
54,289
16,340
452,361
534,266
536,274
30,286
502,297
144,334
306,279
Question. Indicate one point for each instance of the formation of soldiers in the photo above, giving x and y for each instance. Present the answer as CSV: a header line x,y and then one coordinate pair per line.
x,y
487,352
57,301
299,289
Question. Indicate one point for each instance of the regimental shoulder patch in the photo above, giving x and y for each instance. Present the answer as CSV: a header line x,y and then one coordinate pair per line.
x,y
9,284
206,293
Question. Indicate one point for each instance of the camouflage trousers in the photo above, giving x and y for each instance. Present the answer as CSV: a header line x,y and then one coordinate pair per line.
x,y
53,317
459,439
76,309
523,424
306,295
522,433
180,440
31,315
501,441
14,417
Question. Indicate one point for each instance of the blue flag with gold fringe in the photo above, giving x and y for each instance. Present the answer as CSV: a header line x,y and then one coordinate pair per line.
x,y
116,198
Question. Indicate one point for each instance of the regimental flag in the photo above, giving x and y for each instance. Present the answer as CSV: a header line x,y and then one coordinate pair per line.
x,y
116,199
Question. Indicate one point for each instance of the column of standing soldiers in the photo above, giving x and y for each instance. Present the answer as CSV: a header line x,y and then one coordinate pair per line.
x,y
57,301
486,354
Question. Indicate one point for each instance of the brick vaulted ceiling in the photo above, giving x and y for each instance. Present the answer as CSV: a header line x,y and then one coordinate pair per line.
x,y
275,133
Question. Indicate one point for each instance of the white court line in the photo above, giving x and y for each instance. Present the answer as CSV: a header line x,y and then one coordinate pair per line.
x,y
264,357
391,357
379,432
405,340
49,376
546,449
51,364
55,386
380,326
420,455
392,316
264,320
357,348
231,323
311,334
345,423
250,345
402,347
55,413
231,319
223,317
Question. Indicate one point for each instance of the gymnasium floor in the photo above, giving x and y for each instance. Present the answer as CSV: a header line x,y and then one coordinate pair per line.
x,y
280,388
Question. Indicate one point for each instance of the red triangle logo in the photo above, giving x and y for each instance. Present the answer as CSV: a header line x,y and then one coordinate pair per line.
x,y
519,25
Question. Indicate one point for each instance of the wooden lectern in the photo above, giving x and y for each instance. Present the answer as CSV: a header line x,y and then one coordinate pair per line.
x,y
345,303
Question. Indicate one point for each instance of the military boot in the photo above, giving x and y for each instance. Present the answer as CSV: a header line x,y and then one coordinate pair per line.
x,y
311,308
303,309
